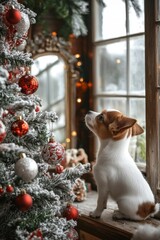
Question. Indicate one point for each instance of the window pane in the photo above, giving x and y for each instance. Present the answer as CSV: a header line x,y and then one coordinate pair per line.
x,y
137,65
136,23
137,110
111,103
110,20
158,9
138,143
110,62
42,90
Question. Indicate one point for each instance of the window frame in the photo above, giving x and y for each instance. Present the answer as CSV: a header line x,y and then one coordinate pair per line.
x,y
152,96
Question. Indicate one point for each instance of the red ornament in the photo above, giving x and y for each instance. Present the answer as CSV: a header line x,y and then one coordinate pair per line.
x,y
37,109
70,212
36,233
9,189
1,190
19,127
24,201
13,16
2,131
28,84
59,168
53,152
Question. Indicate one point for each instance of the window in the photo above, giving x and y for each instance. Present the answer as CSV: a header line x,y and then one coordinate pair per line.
x,y
134,87
119,63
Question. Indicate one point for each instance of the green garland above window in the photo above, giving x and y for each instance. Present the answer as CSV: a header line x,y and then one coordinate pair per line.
x,y
72,13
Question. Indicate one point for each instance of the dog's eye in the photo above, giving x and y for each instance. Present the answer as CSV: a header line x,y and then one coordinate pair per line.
x,y
100,118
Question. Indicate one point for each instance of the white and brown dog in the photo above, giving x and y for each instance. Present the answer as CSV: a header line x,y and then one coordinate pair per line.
x,y
115,171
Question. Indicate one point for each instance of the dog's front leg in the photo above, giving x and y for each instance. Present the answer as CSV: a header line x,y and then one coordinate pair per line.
x,y
101,202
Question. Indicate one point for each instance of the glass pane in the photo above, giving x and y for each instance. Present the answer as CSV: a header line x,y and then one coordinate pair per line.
x,y
111,103
158,55
110,20
138,143
57,83
158,9
137,65
110,61
42,90
136,22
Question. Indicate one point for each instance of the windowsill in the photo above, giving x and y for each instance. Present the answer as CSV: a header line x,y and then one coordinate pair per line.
x,y
105,226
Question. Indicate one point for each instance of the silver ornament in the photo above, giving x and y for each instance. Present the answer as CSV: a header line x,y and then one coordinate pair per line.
x,y
23,26
26,168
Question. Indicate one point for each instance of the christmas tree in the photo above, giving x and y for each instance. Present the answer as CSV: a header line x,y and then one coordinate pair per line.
x,y
36,193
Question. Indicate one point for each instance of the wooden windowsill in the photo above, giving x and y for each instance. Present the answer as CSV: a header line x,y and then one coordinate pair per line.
x,y
105,227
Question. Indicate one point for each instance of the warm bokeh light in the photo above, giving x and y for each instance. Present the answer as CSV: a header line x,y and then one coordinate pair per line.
x,y
118,61
68,140
74,133
79,63
77,55
79,100
81,79
54,34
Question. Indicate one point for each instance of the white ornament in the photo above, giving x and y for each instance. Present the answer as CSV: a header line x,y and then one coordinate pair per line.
x,y
26,168
23,26
22,46
2,131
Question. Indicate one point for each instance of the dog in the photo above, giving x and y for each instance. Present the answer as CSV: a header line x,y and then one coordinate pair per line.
x,y
115,172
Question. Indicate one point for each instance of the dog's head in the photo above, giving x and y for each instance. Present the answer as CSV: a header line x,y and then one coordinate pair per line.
x,y
112,124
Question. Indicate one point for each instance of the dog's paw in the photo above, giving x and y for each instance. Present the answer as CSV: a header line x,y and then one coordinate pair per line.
x,y
117,215
95,214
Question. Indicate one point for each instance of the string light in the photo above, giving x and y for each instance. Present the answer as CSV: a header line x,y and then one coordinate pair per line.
x,y
79,100
74,133
68,140
77,55
54,34
81,79
79,63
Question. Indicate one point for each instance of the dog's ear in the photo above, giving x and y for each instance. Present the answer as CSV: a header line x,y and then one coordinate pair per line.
x,y
122,123
137,129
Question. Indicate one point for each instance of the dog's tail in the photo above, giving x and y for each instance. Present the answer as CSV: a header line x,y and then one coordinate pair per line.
x,y
156,213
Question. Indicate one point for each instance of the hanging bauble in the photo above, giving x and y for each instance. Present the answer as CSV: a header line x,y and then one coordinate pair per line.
x,y
24,201
9,189
23,25
13,16
28,84
1,190
37,109
2,131
53,152
19,127
71,212
26,168
37,233
21,45
72,234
